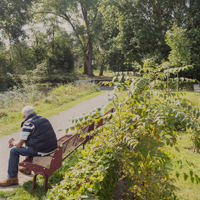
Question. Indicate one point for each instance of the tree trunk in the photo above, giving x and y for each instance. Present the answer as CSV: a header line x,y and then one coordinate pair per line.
x,y
101,70
85,68
89,66
88,59
177,83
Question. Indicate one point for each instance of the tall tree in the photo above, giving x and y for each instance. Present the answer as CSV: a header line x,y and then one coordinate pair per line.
x,y
13,15
192,22
137,28
82,16
180,53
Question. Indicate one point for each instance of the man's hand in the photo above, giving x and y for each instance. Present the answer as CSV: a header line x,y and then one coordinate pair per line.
x,y
10,142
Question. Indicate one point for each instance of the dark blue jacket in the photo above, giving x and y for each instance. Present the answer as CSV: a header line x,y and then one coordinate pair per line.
x,y
42,138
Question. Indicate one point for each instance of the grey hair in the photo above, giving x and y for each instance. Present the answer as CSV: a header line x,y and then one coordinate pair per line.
x,y
27,110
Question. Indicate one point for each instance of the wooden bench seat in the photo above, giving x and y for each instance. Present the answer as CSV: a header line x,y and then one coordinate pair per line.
x,y
46,165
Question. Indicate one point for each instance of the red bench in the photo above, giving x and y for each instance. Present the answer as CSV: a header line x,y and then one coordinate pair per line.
x,y
48,164
66,145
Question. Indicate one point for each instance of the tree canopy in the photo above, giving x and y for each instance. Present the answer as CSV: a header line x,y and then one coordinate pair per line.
x,y
105,34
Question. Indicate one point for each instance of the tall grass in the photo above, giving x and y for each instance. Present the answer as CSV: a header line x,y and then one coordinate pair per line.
x,y
13,101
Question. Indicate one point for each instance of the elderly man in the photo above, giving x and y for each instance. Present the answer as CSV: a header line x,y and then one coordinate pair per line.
x,y
39,138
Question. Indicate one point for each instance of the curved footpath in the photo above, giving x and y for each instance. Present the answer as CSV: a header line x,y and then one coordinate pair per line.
x,y
59,122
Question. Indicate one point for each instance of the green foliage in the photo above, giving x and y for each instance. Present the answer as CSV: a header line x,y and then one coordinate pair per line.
x,y
143,125
179,44
84,29
11,24
93,177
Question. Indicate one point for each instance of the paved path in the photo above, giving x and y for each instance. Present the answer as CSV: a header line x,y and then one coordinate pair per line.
x,y
59,122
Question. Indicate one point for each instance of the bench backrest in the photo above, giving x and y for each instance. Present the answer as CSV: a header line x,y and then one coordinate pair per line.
x,y
196,87
68,143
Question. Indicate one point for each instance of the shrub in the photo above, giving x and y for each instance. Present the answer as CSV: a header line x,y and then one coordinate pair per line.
x,y
93,177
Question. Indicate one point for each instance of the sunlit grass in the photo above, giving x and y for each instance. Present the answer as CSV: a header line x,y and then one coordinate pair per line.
x,y
58,100
185,189
106,74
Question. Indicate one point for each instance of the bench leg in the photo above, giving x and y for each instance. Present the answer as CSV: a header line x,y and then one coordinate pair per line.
x,y
45,180
34,179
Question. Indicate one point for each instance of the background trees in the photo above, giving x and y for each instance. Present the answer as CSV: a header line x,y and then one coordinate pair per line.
x,y
180,53
13,15
103,34
82,15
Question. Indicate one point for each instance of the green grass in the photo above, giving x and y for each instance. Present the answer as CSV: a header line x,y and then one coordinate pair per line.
x,y
106,75
14,119
57,100
186,189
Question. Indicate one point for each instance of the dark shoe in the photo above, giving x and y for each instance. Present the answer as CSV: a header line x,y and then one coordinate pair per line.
x,y
24,170
9,181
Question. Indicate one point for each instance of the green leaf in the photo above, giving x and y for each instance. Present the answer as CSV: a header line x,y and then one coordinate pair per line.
x,y
192,179
72,128
177,149
177,174
185,176
191,173
110,83
171,111
185,104
189,108
181,167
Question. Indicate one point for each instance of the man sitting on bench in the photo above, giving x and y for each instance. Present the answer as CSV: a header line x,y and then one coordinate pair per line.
x,y
39,138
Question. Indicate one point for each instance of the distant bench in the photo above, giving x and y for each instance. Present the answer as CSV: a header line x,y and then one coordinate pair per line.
x,y
46,165
196,87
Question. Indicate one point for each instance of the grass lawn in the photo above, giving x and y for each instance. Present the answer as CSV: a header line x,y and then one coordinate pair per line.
x,y
186,190
106,75
12,124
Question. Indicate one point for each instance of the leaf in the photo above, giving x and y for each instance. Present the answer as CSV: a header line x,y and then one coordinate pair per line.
x,y
191,173
110,83
72,128
185,104
167,176
189,108
185,176
171,111
78,126
192,179
177,174
177,149
195,111
181,167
